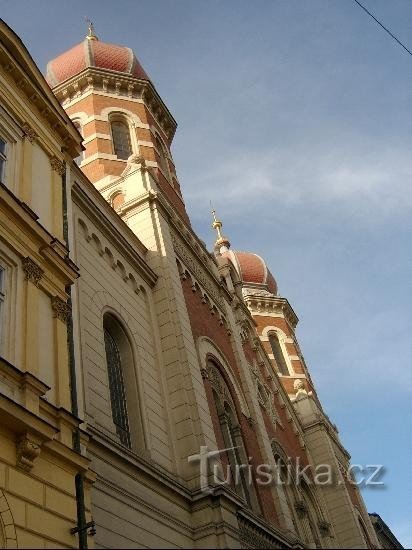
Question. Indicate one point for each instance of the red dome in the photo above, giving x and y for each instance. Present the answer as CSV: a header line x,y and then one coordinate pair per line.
x,y
93,53
252,269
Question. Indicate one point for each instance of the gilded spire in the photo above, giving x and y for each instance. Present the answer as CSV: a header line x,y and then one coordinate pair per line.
x,y
91,35
222,243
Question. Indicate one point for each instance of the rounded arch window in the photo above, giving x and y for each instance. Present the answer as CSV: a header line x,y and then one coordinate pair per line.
x,y
231,435
117,200
278,353
122,143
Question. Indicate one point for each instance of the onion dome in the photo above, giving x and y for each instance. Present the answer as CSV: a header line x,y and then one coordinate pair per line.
x,y
252,270
93,53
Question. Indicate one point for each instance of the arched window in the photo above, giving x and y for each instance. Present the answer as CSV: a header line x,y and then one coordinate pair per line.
x,y
114,340
163,160
122,144
232,437
278,354
117,200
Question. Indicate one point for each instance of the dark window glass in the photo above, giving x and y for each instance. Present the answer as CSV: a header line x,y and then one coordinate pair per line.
x,y
278,354
121,139
116,386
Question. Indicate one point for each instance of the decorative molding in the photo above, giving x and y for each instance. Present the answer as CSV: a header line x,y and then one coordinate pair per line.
x,y
266,305
61,309
27,451
58,165
204,373
198,271
98,81
33,272
29,133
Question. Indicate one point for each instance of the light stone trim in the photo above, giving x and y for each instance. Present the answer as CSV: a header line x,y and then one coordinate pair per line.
x,y
96,136
7,522
205,347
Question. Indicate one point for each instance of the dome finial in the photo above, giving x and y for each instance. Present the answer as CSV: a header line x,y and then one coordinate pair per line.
x,y
222,243
90,34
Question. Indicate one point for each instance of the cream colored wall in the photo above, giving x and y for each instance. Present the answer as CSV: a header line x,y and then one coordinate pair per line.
x,y
102,288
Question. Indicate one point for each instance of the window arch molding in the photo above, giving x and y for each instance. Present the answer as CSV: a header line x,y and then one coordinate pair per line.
x,y
7,540
113,321
207,350
116,194
282,339
229,425
123,135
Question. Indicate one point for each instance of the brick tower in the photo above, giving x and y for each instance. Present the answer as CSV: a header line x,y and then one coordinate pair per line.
x,y
120,115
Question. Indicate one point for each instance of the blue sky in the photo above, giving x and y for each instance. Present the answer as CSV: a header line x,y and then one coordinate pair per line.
x,y
295,120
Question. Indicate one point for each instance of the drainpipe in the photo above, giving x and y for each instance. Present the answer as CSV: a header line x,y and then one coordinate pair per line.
x,y
79,478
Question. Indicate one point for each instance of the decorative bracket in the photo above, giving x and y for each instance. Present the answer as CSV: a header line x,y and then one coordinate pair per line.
x,y
28,449
33,272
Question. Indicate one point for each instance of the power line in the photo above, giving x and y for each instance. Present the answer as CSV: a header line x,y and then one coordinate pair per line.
x,y
383,27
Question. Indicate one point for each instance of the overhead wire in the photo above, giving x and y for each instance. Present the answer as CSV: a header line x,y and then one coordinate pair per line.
x,y
383,26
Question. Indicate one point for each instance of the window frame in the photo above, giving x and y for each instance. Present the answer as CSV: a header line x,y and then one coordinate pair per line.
x,y
281,364
131,381
124,121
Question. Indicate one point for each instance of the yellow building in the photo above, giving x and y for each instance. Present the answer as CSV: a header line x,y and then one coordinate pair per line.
x,y
42,470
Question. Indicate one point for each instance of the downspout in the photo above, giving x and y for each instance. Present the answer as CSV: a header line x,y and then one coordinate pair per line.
x,y
79,478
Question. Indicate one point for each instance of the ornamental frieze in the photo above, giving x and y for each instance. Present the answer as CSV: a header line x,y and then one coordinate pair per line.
x,y
198,271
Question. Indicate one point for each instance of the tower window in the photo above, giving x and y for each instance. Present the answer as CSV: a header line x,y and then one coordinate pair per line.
x,y
278,354
116,386
121,139
3,158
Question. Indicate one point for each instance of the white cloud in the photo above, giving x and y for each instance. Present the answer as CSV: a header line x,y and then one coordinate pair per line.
x,y
376,186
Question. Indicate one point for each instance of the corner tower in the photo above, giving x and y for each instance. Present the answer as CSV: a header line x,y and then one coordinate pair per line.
x,y
273,315
123,121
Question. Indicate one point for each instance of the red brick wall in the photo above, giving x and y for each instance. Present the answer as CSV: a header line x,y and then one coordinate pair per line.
x,y
203,323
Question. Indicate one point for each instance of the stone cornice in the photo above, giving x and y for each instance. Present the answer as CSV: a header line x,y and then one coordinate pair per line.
x,y
122,85
18,64
261,304
42,245
123,238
